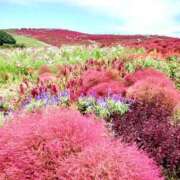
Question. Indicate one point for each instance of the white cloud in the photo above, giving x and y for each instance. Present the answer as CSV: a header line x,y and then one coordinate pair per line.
x,y
139,16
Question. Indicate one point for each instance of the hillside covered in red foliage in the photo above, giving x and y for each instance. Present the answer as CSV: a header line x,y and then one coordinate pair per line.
x,y
58,37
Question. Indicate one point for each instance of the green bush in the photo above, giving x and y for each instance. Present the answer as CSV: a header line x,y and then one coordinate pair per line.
x,y
6,38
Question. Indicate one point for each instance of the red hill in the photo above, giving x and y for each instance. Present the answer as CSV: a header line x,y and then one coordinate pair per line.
x,y
58,37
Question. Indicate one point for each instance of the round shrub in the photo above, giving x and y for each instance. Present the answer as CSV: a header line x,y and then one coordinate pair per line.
x,y
112,160
6,38
150,127
101,83
105,88
34,145
96,82
154,90
62,144
132,78
93,77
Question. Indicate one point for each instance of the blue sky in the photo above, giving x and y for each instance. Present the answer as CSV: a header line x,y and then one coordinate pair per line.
x,y
94,16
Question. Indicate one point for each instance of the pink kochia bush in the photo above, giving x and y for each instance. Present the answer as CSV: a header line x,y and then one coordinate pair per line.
x,y
154,90
93,77
62,144
112,161
160,77
34,145
103,89
99,83
152,86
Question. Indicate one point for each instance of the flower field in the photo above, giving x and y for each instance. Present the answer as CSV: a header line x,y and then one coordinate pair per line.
x,y
96,108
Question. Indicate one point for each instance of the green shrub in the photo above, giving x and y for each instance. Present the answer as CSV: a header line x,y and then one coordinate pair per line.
x,y
6,38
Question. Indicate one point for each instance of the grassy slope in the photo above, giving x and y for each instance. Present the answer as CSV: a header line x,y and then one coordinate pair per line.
x,y
29,42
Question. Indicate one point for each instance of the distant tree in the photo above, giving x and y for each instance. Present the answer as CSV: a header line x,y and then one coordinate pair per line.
x,y
6,38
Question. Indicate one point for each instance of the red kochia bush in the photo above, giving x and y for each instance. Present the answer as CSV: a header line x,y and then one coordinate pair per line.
x,y
154,90
149,126
103,89
96,82
93,77
34,145
111,160
146,73
62,144
102,82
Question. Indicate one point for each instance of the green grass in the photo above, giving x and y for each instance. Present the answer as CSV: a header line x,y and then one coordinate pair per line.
x,y
28,41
